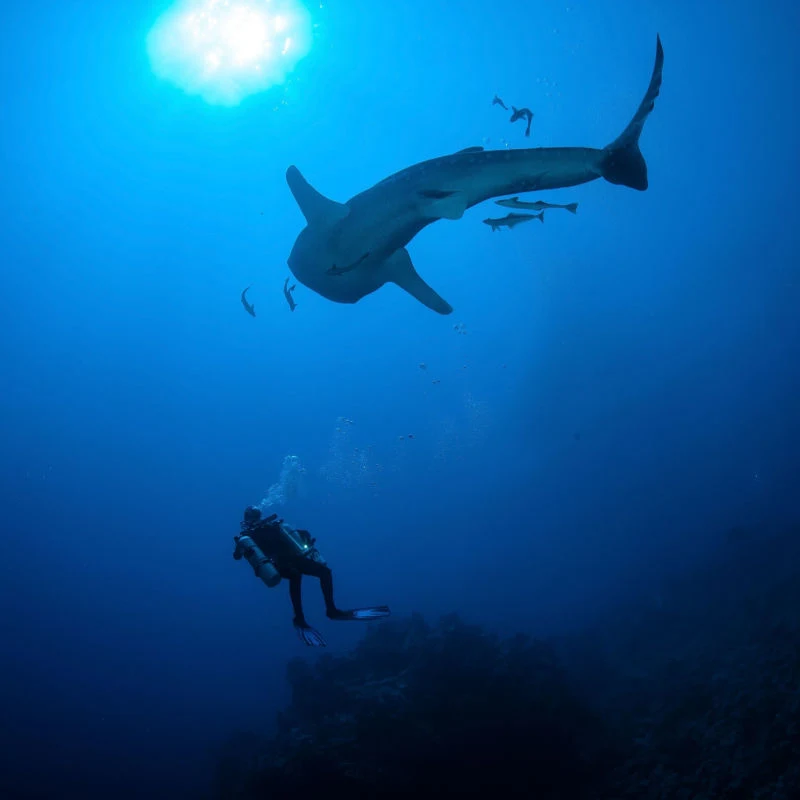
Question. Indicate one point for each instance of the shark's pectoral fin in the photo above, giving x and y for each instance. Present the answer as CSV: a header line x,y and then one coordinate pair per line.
x,y
400,270
438,204
315,206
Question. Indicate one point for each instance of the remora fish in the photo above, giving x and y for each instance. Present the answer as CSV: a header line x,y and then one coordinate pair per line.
x,y
538,205
522,113
372,229
250,309
287,293
511,220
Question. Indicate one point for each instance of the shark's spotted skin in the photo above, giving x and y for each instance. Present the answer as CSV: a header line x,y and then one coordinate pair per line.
x,y
348,250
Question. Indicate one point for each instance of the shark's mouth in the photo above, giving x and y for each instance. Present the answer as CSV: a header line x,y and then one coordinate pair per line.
x,y
334,270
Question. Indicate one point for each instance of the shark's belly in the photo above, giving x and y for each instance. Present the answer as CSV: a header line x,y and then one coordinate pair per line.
x,y
349,287
375,230
331,262
538,169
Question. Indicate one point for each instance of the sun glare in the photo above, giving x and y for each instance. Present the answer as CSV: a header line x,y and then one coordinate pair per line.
x,y
225,50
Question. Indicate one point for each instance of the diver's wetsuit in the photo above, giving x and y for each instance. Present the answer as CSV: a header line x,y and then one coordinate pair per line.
x,y
292,566
292,554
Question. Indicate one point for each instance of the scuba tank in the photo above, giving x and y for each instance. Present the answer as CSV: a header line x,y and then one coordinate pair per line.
x,y
262,566
300,540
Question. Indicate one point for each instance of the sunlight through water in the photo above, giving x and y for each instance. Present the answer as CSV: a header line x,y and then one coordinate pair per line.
x,y
225,50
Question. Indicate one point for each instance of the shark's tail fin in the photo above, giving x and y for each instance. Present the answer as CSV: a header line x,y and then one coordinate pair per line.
x,y
623,162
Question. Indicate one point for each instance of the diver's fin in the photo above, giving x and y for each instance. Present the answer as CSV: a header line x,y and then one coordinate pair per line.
x,y
572,208
623,162
438,204
400,270
310,636
375,612
315,206
363,614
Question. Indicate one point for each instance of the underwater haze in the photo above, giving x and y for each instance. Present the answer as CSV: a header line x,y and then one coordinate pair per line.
x,y
615,391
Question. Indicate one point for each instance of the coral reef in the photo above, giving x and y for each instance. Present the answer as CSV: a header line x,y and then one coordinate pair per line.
x,y
449,709
703,681
691,693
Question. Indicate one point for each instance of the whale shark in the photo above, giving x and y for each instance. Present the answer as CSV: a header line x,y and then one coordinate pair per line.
x,y
349,250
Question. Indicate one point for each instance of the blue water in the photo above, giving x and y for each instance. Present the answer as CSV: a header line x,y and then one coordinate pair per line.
x,y
624,387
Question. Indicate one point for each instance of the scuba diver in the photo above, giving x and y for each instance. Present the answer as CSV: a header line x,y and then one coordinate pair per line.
x,y
275,550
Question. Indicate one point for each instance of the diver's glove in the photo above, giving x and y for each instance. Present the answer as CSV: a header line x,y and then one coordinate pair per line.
x,y
309,635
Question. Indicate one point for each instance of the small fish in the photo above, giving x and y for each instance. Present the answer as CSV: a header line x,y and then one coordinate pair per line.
x,y
510,220
423,366
334,270
522,113
251,310
498,102
287,293
539,205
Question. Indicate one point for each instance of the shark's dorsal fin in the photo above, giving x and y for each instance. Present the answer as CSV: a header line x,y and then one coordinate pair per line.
x,y
469,150
315,206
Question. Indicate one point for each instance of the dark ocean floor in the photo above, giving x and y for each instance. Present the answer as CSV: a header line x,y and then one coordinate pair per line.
x,y
691,692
